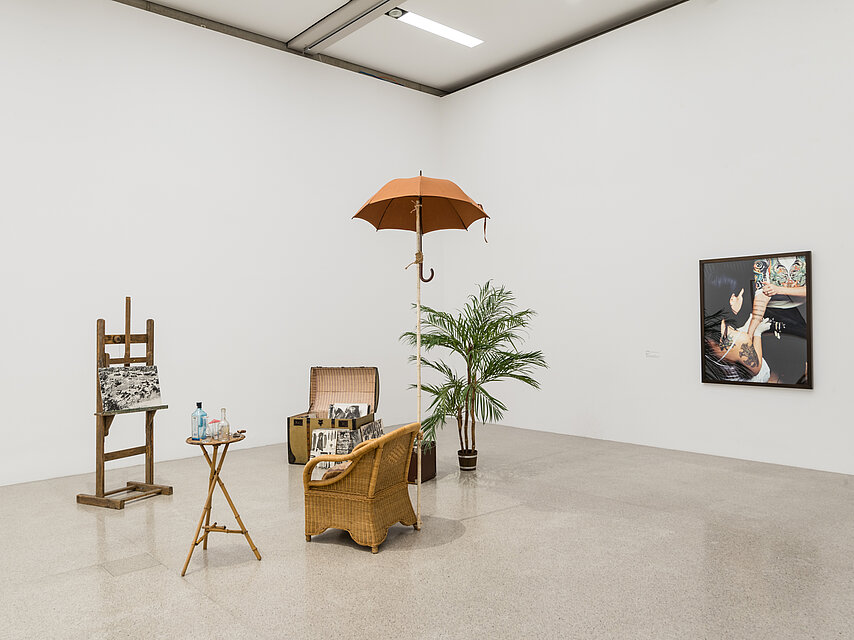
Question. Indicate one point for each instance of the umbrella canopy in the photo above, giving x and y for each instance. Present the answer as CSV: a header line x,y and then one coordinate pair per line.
x,y
443,205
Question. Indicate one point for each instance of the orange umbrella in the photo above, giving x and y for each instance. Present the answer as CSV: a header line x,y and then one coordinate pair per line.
x,y
422,205
445,205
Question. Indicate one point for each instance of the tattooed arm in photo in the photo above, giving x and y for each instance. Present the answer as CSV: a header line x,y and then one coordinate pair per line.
x,y
750,355
742,348
760,303
777,290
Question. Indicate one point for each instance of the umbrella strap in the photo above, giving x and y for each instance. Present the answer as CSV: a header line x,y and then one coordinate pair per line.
x,y
484,231
419,259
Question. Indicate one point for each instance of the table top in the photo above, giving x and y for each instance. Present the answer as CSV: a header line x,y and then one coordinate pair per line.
x,y
232,438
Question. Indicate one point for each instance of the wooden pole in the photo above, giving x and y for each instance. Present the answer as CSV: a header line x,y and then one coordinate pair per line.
x,y
419,258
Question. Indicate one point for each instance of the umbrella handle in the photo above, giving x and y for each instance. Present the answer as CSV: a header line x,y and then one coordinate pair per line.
x,y
421,273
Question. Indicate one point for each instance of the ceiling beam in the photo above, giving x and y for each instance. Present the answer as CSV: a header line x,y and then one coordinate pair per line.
x,y
340,23
574,43
353,16
257,38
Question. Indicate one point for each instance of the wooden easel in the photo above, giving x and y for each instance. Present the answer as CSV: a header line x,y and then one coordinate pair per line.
x,y
104,419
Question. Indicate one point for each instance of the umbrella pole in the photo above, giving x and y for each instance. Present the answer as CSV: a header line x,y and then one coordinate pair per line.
x,y
418,258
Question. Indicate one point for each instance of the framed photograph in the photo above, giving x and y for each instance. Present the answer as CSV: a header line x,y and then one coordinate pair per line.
x,y
756,320
323,442
129,388
348,410
372,430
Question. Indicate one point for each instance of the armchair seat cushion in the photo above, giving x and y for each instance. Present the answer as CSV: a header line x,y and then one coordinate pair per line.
x,y
336,470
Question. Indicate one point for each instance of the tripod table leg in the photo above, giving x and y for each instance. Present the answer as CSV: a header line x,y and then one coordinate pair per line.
x,y
205,510
237,516
212,463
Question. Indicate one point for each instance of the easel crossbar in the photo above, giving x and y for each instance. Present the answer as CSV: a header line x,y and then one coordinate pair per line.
x,y
141,489
134,360
124,453
119,338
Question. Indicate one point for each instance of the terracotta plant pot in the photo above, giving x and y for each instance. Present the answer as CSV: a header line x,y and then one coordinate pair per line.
x,y
468,459
428,465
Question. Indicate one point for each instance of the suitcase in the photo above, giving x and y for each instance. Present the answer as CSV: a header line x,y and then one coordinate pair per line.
x,y
327,385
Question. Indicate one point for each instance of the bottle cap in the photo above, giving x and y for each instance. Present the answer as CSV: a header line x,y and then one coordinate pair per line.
x,y
199,405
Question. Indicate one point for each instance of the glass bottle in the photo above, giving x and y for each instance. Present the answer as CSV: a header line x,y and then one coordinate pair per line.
x,y
224,427
203,430
198,423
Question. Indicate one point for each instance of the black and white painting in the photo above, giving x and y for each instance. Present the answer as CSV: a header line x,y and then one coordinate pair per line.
x,y
324,442
372,430
347,441
128,388
347,410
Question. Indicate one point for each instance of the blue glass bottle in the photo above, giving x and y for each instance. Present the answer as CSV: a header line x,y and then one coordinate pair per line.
x,y
198,423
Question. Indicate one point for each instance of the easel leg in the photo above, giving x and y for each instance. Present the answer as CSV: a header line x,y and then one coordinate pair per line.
x,y
149,447
99,456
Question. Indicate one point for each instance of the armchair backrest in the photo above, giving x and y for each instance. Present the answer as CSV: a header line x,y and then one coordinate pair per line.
x,y
377,464
394,452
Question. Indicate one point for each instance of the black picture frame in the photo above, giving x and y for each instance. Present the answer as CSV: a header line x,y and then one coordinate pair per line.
x,y
735,348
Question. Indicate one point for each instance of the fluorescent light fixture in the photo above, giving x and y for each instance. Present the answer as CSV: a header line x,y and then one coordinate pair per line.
x,y
434,27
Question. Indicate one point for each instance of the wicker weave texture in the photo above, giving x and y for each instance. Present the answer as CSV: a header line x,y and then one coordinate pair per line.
x,y
370,496
357,385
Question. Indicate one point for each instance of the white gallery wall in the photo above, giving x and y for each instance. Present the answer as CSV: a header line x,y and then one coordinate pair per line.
x,y
718,128
212,180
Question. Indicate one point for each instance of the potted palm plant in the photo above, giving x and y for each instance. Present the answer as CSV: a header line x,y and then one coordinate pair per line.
x,y
485,338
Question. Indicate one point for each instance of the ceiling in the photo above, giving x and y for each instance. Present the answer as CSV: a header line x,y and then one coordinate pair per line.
x,y
365,39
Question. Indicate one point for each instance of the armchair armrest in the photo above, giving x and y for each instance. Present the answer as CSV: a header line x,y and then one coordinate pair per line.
x,y
353,457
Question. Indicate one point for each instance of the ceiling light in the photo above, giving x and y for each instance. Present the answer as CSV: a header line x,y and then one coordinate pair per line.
x,y
434,27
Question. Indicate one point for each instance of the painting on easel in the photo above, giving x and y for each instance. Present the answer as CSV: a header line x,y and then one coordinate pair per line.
x,y
129,388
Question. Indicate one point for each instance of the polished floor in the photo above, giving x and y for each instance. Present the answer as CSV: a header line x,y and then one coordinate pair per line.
x,y
552,537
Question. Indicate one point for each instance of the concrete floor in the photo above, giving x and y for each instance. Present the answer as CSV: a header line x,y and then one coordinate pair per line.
x,y
553,537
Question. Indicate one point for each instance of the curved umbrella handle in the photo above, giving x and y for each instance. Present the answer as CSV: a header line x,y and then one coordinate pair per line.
x,y
421,273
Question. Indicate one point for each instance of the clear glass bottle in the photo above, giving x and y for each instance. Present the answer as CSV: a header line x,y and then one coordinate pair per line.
x,y
198,423
224,427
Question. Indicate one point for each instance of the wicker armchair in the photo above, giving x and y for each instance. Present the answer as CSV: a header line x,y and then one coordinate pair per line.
x,y
369,496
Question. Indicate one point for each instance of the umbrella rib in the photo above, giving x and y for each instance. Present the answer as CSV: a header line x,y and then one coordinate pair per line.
x,y
454,206
379,224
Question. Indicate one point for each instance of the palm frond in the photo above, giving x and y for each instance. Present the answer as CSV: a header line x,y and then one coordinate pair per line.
x,y
487,335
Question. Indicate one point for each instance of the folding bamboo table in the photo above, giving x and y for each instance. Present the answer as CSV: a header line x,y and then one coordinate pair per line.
x,y
213,481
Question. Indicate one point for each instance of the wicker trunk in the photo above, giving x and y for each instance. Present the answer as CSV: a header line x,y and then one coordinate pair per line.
x,y
356,385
